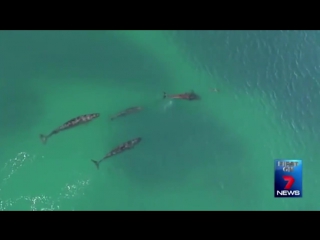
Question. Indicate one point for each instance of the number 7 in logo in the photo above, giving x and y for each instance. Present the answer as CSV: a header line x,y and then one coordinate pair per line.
x,y
290,181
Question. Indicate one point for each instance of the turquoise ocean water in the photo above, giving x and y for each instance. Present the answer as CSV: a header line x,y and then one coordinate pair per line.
x,y
212,154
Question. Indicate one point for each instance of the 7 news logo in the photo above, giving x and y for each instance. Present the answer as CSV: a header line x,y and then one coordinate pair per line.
x,y
288,178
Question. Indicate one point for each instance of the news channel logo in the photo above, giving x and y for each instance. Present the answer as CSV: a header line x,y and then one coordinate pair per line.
x,y
287,178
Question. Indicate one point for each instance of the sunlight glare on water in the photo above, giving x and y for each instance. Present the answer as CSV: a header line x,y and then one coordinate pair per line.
x,y
39,202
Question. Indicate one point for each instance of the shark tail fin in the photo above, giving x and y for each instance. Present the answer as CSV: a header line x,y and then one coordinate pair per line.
x,y
164,95
96,163
43,138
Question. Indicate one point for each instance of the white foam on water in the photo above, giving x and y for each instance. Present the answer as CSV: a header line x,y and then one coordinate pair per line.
x,y
39,202
168,105
12,165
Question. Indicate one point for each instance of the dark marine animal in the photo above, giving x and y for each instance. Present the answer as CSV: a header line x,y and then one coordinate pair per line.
x,y
186,96
126,112
121,148
71,123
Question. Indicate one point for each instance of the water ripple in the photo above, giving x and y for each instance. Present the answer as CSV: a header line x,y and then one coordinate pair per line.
x,y
39,202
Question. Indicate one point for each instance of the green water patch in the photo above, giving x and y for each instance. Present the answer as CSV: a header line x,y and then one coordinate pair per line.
x,y
78,56
216,153
59,58
174,142
249,120
21,107
216,145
